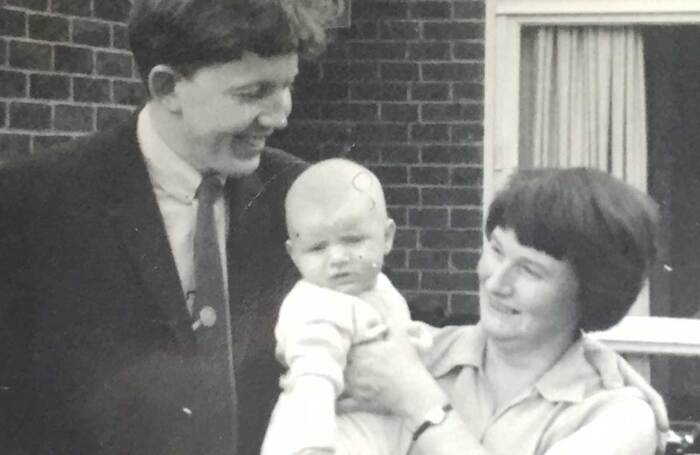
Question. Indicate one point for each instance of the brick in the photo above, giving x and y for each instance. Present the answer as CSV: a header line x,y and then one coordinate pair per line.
x,y
391,174
379,132
49,28
329,91
361,29
44,143
445,112
469,10
30,116
114,64
350,111
91,90
399,71
449,238
468,50
467,176
399,215
335,51
120,36
13,84
380,10
37,5
13,22
405,238
433,91
428,217
112,10
442,196
379,91
401,195
396,259
30,55
377,50
3,113
306,111
72,7
464,260
436,50
429,175
353,71
463,308
452,30
74,118
426,132
73,59
466,218
400,154
3,51
452,71
317,132
398,112
451,154
468,91
430,10
399,30
128,92
92,33
109,116
360,153
428,307
13,146
428,259
449,281
468,132
308,71
49,86
404,279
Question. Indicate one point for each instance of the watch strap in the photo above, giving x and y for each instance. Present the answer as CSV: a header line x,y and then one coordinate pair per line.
x,y
429,422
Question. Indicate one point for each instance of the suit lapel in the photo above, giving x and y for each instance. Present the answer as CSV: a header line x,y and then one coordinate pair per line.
x,y
136,217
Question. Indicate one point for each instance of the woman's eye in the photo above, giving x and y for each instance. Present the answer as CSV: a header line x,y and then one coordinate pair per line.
x,y
530,271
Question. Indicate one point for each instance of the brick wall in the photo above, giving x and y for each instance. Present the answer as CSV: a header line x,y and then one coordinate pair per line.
x,y
401,90
65,70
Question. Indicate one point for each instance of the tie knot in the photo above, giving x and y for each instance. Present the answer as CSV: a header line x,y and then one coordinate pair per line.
x,y
210,188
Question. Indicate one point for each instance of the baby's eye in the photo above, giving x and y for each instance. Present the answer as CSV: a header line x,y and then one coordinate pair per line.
x,y
354,238
316,248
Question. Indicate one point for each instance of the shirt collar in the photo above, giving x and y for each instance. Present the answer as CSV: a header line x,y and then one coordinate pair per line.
x,y
168,171
457,347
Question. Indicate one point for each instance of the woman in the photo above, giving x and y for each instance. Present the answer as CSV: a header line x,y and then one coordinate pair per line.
x,y
567,252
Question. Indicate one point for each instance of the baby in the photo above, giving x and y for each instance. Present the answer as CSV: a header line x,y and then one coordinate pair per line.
x,y
339,233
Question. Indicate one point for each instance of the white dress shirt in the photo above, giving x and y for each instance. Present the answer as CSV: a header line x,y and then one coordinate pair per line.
x,y
175,183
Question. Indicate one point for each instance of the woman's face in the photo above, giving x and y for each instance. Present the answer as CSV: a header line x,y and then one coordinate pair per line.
x,y
526,295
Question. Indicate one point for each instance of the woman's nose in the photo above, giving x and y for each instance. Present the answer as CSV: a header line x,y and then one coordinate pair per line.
x,y
277,109
498,279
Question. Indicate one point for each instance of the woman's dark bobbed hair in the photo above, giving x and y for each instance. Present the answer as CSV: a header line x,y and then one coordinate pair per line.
x,y
603,227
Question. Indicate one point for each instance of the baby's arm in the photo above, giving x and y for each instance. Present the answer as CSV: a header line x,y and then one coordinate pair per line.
x,y
314,331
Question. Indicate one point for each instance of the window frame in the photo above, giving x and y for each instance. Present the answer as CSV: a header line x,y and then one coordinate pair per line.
x,y
639,334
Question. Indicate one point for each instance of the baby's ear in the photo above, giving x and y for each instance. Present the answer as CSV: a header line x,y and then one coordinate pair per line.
x,y
389,232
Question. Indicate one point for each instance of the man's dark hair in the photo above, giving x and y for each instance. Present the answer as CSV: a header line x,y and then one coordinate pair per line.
x,y
603,227
191,34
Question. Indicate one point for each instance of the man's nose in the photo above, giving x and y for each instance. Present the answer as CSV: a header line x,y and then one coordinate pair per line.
x,y
276,110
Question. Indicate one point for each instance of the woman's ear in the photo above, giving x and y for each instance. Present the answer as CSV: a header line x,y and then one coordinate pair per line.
x,y
161,86
389,233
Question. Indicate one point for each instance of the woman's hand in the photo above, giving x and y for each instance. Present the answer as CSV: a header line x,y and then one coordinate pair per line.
x,y
387,376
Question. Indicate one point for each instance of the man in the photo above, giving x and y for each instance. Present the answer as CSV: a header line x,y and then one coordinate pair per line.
x,y
138,297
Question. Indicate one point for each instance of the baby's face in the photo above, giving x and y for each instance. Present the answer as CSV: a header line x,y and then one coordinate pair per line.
x,y
341,249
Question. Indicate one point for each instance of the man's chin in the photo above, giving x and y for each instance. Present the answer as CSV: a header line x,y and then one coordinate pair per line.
x,y
237,167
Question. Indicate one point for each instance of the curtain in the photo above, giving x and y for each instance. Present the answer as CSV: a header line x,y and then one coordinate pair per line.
x,y
583,100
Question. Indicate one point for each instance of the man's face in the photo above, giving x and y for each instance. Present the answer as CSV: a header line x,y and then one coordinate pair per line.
x,y
227,111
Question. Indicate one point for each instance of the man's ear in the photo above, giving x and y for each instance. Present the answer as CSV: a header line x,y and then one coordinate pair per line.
x,y
161,86
389,233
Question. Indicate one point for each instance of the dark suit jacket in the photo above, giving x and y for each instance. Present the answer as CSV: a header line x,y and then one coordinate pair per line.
x,y
97,354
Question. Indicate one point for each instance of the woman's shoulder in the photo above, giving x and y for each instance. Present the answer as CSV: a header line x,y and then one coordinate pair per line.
x,y
454,346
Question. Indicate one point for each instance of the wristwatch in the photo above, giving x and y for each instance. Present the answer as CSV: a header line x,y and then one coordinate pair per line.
x,y
434,417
